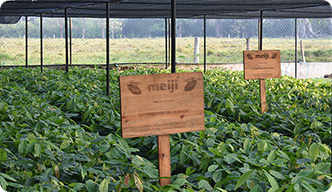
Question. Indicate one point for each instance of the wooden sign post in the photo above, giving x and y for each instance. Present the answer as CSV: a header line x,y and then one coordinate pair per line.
x,y
160,105
262,65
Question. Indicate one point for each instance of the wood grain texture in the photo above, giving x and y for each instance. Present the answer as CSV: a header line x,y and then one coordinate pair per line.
x,y
161,104
164,159
261,64
263,95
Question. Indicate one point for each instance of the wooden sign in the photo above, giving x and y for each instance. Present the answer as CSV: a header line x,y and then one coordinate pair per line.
x,y
161,104
261,64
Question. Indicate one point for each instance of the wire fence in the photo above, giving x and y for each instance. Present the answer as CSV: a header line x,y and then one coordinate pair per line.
x,y
145,40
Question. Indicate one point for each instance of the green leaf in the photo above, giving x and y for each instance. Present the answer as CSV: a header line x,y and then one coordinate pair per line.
x,y
212,168
137,160
271,156
286,186
277,174
246,145
8,177
37,150
189,171
229,107
315,124
204,164
203,184
314,151
308,186
256,188
103,187
231,158
138,182
104,147
65,144
77,186
274,184
3,183
217,176
244,177
262,146
3,155
297,187
289,189
179,181
83,171
283,155
90,186
23,147
15,185
87,114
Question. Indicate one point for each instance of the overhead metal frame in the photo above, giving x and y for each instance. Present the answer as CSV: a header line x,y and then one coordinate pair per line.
x,y
161,9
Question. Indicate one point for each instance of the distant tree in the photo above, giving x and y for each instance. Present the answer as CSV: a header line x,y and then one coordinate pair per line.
x,y
116,27
143,28
276,28
139,28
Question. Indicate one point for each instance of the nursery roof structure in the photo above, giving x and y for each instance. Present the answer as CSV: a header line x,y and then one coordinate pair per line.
x,y
12,10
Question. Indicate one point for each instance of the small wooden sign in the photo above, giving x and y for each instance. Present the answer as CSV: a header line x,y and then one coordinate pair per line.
x,y
161,104
261,64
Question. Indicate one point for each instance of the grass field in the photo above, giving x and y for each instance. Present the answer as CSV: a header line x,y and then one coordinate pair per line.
x,y
92,51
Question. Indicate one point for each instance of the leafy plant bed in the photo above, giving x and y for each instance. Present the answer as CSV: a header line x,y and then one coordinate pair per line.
x,y
60,132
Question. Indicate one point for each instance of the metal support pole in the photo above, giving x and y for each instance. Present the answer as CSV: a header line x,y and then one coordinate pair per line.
x,y
107,49
169,41
166,43
66,36
204,43
41,42
262,81
260,34
70,42
295,48
26,42
173,19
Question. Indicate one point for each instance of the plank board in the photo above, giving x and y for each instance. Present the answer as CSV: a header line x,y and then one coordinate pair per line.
x,y
261,64
164,159
161,104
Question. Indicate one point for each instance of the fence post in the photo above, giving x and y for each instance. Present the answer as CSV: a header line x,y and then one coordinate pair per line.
x,y
41,42
66,40
295,49
302,51
107,48
196,50
70,42
166,44
204,43
26,42
248,43
173,32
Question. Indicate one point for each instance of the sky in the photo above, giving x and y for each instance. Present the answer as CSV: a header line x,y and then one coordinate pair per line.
x,y
1,1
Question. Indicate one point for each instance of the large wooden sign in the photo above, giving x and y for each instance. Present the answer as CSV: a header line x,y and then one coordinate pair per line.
x,y
161,104
261,64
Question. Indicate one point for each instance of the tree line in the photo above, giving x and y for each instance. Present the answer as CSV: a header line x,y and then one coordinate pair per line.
x,y
150,28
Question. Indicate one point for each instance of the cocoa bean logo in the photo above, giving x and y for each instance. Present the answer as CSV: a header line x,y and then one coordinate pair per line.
x,y
274,55
249,56
133,88
191,84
